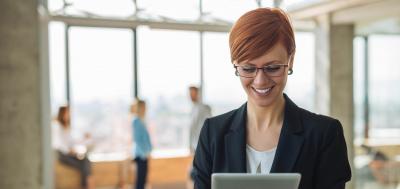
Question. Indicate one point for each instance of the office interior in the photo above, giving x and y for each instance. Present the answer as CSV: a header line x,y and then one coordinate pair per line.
x,y
98,56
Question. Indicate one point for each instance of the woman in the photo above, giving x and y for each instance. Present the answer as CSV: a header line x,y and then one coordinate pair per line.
x,y
269,133
65,147
142,143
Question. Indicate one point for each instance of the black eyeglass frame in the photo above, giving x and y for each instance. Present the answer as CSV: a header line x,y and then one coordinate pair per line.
x,y
262,68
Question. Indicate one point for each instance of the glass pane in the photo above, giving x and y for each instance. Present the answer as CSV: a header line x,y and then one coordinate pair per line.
x,y
229,10
219,71
359,82
384,86
286,3
101,86
168,65
177,9
300,86
120,8
57,66
54,5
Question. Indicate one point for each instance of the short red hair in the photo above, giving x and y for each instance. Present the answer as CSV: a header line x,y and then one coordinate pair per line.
x,y
257,31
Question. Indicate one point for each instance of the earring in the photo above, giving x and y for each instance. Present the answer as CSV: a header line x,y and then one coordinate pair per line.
x,y
290,72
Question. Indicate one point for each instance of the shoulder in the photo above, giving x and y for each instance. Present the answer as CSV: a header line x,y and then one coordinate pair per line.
x,y
313,118
137,123
309,122
136,120
223,119
219,125
321,125
204,107
56,126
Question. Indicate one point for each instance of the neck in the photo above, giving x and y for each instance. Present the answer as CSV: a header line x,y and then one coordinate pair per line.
x,y
65,126
140,116
264,118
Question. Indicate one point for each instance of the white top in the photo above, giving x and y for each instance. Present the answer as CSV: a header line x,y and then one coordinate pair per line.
x,y
259,162
200,112
62,139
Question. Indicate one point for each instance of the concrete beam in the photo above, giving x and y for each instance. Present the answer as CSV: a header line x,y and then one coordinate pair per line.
x,y
132,23
368,12
316,8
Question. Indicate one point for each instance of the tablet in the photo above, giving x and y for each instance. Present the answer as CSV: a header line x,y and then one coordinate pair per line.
x,y
255,181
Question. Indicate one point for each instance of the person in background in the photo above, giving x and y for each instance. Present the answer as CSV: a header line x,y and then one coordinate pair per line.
x,y
376,155
65,146
269,133
200,112
142,144
383,169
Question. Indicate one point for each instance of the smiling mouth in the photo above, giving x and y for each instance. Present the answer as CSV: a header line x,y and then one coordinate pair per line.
x,y
263,91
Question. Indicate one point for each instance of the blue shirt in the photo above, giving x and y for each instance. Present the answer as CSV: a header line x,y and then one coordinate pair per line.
x,y
141,139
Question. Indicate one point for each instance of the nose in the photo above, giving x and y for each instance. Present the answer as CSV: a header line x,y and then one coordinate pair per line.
x,y
261,78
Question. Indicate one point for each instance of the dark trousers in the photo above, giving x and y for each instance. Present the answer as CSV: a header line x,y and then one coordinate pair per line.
x,y
83,165
141,172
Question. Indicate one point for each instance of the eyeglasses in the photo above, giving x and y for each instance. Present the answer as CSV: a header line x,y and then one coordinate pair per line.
x,y
272,70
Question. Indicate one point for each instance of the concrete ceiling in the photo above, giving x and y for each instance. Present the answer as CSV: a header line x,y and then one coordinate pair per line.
x,y
387,26
368,16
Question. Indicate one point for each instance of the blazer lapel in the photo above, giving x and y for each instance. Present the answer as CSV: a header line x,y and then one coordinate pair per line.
x,y
235,142
290,140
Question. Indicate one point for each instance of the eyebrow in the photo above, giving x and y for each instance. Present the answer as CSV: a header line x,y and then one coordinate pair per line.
x,y
264,64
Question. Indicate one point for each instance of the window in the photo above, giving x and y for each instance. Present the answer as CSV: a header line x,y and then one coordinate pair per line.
x,y
168,65
58,93
383,86
229,10
300,85
176,9
359,87
101,69
297,2
114,8
222,88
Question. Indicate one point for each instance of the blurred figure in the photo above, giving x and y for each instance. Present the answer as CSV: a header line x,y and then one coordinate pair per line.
x,y
384,170
200,112
65,146
142,144
375,154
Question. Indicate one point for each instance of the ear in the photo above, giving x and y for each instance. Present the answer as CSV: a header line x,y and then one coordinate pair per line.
x,y
291,60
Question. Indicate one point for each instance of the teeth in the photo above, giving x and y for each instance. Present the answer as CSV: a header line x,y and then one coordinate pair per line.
x,y
262,90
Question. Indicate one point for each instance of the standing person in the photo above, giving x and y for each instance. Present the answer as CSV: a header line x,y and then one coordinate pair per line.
x,y
270,133
200,112
64,144
142,144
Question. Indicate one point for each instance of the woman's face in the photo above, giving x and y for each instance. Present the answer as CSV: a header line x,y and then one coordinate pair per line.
x,y
142,110
67,116
263,90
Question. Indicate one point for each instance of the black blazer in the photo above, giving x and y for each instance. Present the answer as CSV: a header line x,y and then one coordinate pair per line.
x,y
310,144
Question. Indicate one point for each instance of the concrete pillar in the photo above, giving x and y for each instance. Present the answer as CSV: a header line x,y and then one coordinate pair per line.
x,y
20,110
334,76
322,65
341,78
